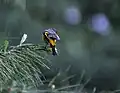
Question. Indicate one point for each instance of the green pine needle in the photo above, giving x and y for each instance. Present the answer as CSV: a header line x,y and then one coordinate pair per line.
x,y
22,63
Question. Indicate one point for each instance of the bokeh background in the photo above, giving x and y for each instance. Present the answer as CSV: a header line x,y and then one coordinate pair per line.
x,y
89,32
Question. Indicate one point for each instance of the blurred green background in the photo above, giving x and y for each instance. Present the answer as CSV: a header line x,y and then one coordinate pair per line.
x,y
89,32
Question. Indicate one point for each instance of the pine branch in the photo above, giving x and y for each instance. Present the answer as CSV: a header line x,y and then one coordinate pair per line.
x,y
22,63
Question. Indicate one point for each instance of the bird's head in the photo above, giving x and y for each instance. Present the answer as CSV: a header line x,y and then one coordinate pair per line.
x,y
54,34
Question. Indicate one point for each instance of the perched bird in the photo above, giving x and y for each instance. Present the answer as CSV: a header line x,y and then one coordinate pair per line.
x,y
50,36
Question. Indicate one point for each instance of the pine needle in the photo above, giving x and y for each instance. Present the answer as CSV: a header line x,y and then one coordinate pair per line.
x,y
22,63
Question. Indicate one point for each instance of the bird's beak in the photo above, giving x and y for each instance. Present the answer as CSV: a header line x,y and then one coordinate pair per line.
x,y
52,42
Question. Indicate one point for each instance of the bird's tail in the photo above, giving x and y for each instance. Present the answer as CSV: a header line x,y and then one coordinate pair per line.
x,y
54,51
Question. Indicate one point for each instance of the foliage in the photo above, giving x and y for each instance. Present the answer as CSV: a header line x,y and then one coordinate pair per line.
x,y
22,63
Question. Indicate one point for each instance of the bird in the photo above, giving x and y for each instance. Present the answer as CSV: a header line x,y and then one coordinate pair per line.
x,y
50,37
